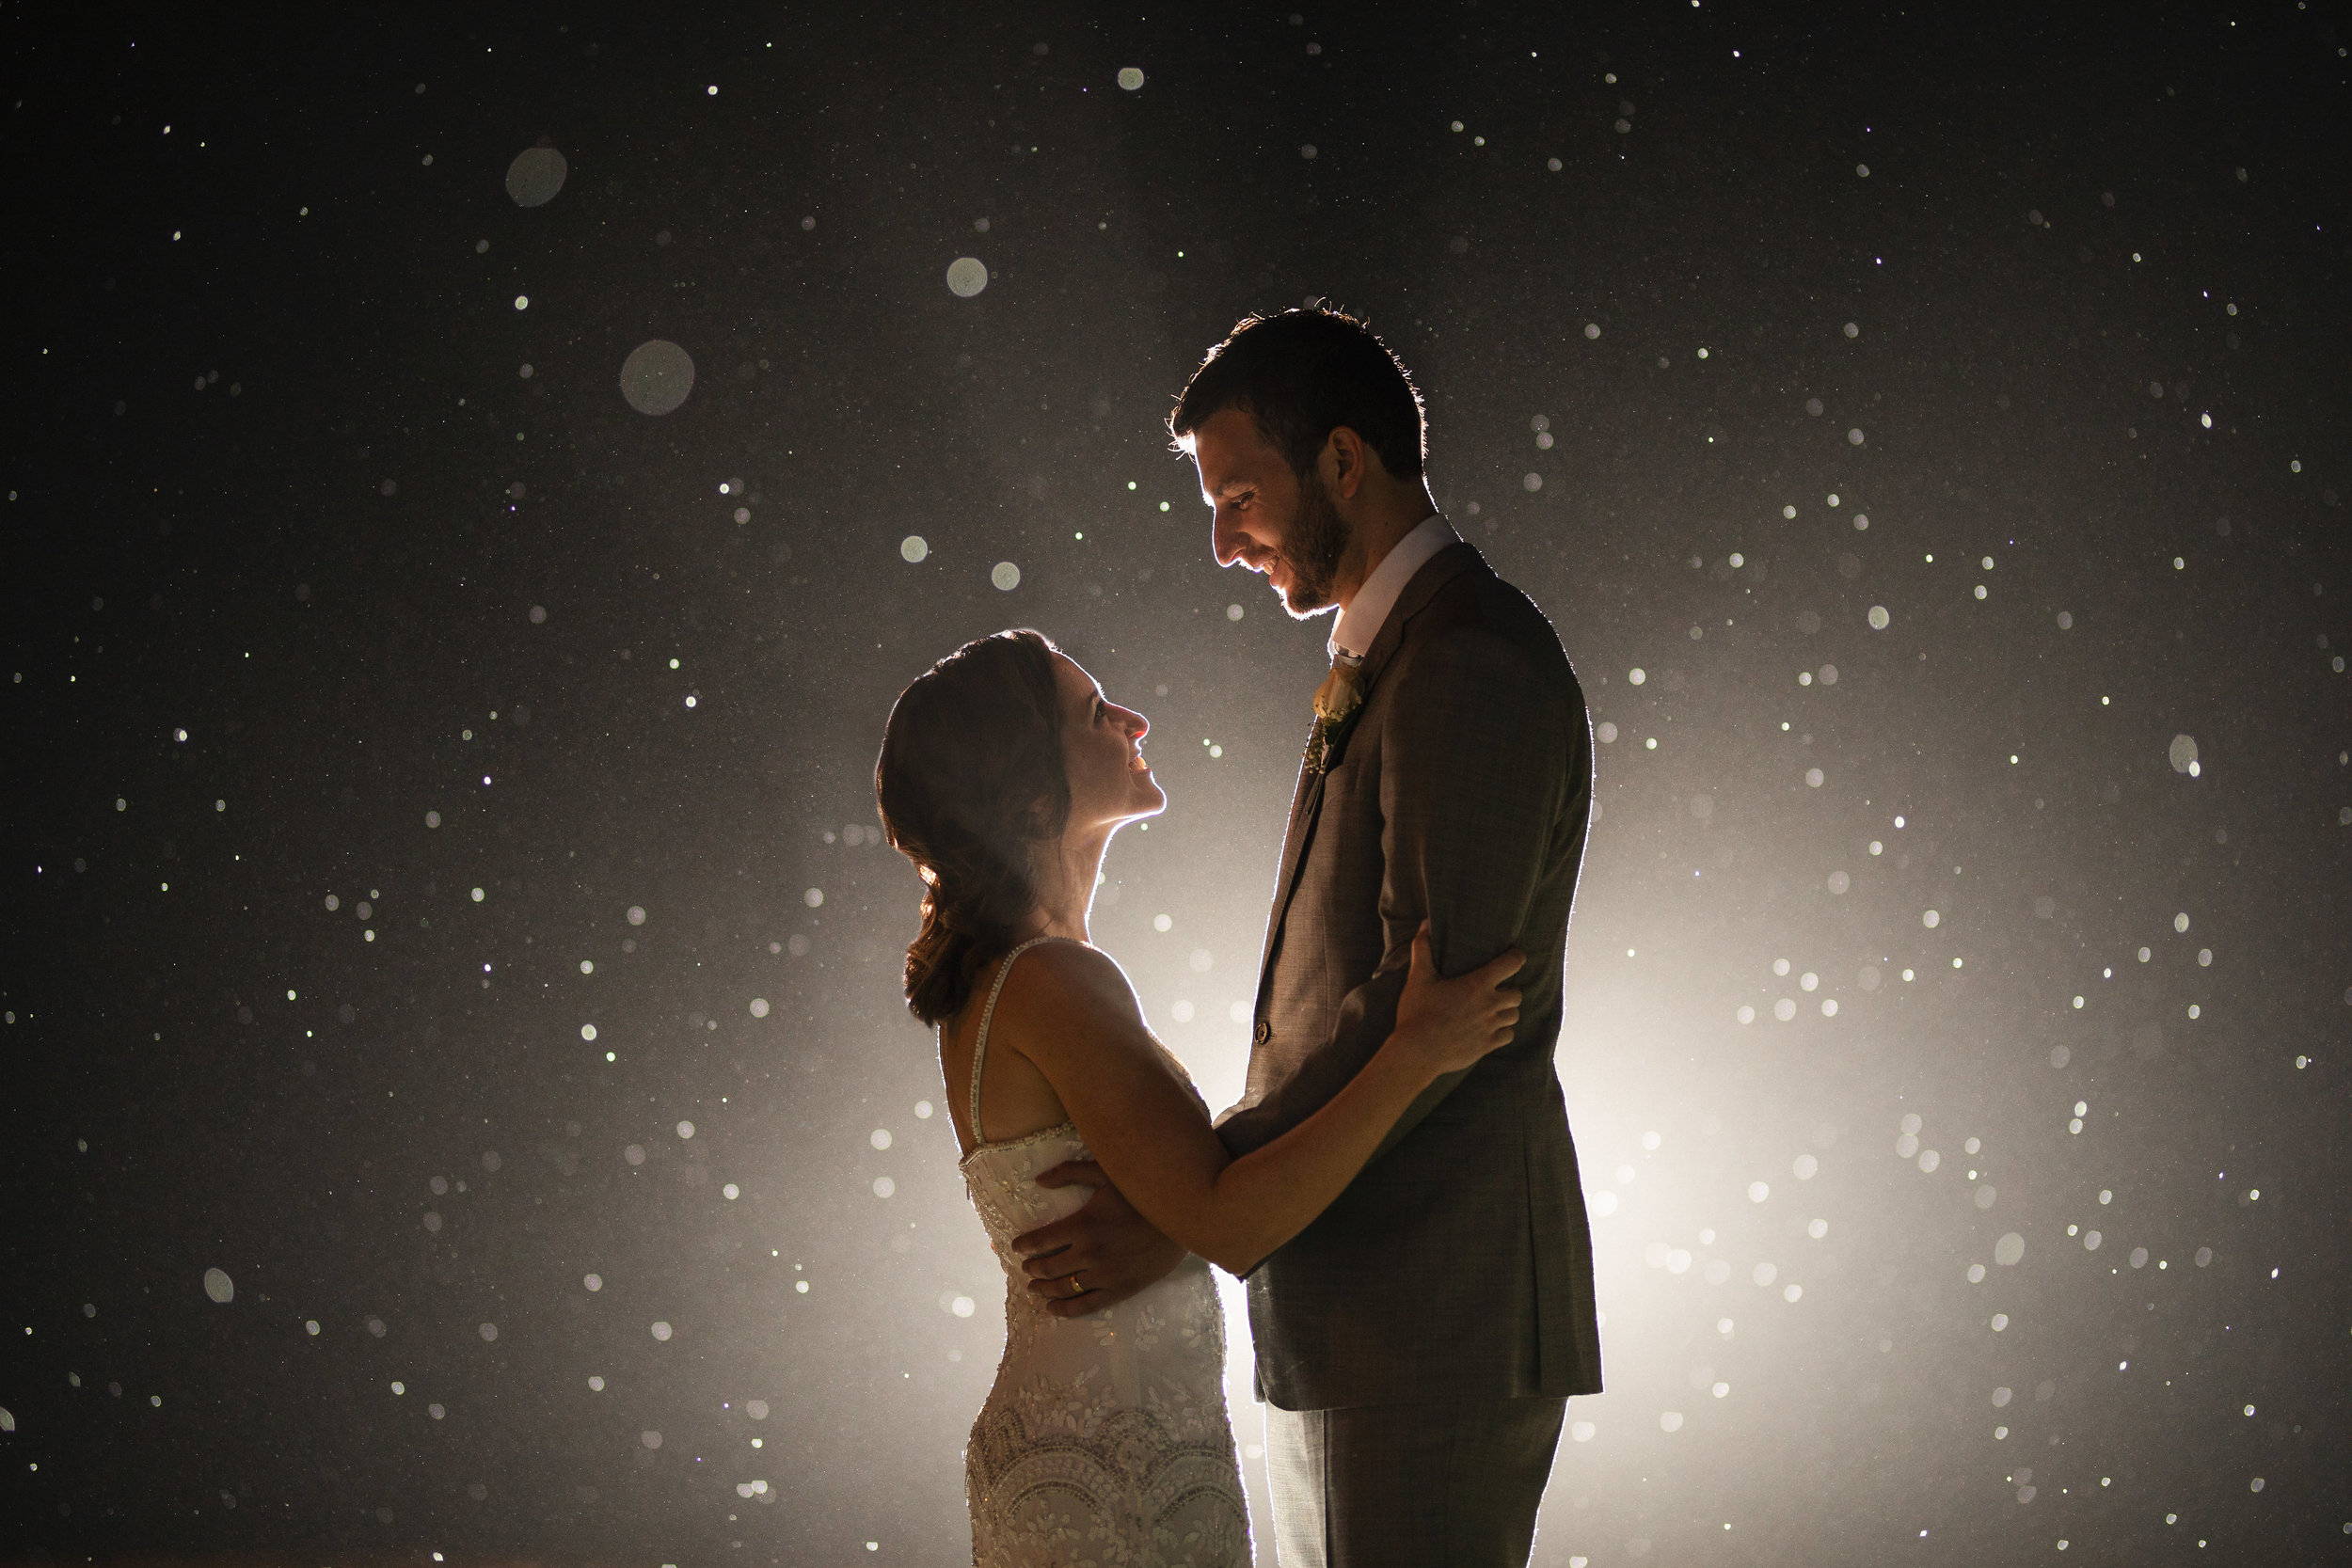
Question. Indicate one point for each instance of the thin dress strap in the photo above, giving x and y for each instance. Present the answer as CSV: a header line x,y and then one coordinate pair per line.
x,y
980,1046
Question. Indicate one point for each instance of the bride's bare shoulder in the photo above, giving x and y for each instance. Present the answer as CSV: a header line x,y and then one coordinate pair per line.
x,y
1061,985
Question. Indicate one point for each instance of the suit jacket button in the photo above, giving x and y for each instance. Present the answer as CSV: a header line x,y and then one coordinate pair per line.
x,y
1265,1032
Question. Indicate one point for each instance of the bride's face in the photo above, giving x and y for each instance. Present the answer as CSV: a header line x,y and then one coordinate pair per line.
x,y
1102,748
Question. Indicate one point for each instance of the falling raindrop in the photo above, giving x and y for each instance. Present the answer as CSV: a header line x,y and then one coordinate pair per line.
x,y
656,376
536,176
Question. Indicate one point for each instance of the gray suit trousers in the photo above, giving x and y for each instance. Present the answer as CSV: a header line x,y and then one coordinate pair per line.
x,y
1448,1484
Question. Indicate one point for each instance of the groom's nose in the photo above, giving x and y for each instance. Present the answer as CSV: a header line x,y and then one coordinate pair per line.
x,y
1224,540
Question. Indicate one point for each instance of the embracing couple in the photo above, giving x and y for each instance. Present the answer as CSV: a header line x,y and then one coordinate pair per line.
x,y
1397,1185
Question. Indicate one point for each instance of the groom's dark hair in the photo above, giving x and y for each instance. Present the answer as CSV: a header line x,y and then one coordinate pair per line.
x,y
1303,373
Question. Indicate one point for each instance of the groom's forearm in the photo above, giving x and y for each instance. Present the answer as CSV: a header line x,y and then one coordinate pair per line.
x,y
1366,1018
1419,1111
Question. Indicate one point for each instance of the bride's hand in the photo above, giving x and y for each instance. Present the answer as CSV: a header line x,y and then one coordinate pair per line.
x,y
1449,1025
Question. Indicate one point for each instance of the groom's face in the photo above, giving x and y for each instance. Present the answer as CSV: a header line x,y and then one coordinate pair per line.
x,y
1263,516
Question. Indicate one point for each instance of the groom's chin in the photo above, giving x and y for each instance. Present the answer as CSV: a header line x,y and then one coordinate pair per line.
x,y
1304,603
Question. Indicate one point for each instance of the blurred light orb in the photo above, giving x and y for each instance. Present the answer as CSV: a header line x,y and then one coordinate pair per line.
x,y
1006,576
967,276
218,1285
2009,1249
661,1331
1130,78
2183,755
913,547
1879,618
656,376
536,176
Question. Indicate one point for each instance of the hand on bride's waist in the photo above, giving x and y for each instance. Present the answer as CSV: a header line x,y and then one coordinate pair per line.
x,y
1096,1256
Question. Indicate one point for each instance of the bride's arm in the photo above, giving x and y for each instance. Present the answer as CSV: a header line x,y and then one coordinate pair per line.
x,y
1071,1011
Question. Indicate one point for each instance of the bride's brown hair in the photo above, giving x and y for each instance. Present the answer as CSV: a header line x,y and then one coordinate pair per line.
x,y
970,776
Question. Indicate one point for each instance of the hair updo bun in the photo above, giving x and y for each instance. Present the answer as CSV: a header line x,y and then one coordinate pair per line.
x,y
970,776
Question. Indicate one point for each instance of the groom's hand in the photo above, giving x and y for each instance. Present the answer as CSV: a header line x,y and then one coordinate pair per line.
x,y
1112,1250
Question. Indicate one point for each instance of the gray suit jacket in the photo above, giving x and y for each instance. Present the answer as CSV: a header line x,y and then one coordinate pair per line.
x,y
1459,1263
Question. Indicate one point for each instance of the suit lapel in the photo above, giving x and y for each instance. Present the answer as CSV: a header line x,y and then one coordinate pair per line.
x,y
1307,800
1305,803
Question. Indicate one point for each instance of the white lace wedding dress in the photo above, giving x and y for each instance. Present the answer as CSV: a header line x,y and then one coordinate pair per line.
x,y
1104,1440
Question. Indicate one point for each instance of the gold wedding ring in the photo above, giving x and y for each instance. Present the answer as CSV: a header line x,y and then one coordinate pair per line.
x,y
1076,1290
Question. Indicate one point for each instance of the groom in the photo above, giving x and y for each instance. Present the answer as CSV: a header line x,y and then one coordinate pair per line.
x,y
1417,1344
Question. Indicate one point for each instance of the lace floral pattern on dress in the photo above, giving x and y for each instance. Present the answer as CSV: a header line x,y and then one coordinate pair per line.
x,y
1104,1440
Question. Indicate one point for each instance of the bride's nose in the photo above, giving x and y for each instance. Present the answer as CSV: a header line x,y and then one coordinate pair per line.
x,y
1137,725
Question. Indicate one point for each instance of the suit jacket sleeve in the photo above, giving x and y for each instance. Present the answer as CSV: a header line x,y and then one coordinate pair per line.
x,y
1473,780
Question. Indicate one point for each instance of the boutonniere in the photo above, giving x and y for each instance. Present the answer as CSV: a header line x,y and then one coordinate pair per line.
x,y
1336,702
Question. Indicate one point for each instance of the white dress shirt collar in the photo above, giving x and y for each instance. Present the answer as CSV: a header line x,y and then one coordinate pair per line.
x,y
1365,615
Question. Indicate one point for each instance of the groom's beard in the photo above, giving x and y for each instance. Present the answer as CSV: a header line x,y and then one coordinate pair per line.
x,y
1313,548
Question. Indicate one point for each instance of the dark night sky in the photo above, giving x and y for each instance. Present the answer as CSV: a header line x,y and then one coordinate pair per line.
x,y
387,703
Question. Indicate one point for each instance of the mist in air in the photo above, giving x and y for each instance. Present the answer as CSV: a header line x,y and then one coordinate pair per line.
x,y
475,489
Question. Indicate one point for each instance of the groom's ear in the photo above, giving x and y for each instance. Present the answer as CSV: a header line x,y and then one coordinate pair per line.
x,y
1344,462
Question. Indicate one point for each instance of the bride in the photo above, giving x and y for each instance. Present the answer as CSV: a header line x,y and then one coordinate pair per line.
x,y
1004,773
